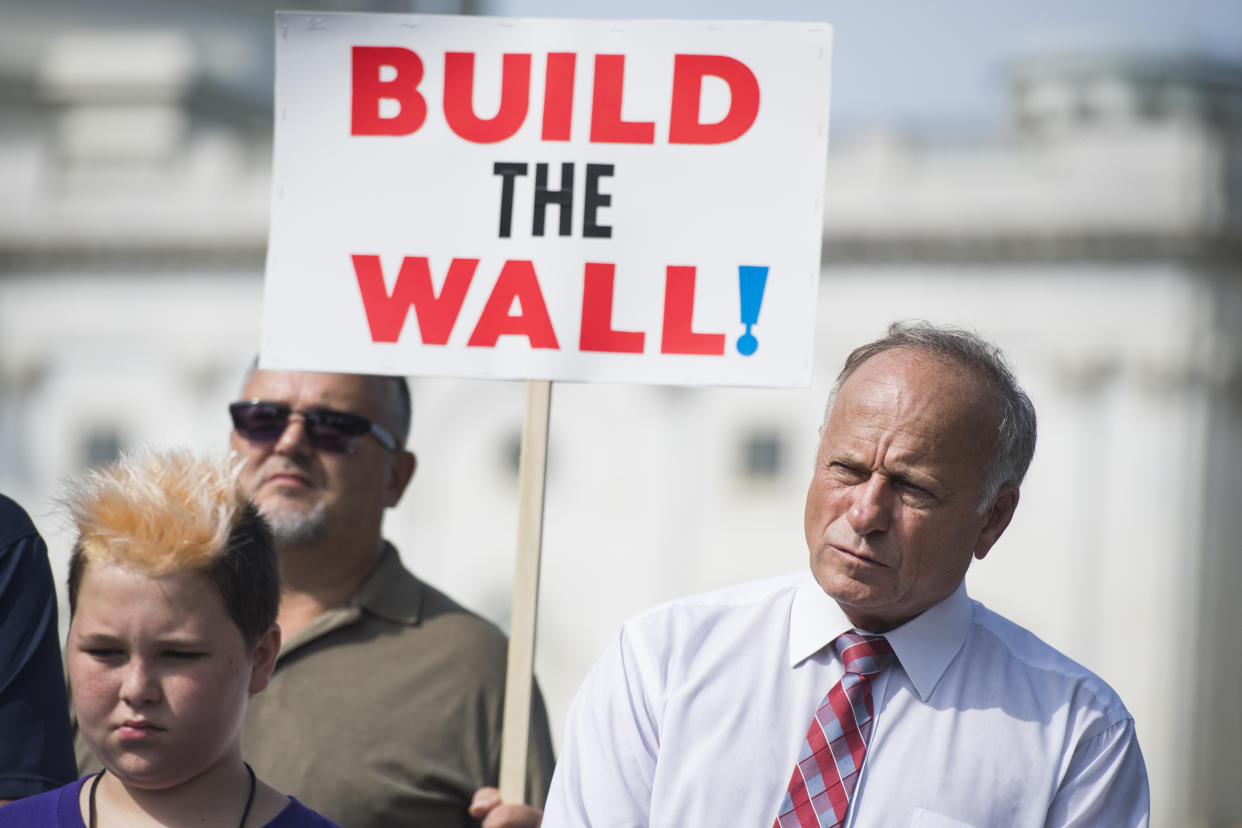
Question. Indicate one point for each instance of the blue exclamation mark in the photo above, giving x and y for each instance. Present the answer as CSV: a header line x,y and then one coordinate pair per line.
x,y
750,283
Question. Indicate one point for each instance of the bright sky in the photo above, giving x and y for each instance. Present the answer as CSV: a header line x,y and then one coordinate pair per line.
x,y
942,63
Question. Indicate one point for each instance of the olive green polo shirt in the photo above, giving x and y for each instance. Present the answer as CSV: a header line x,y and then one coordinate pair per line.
x,y
387,711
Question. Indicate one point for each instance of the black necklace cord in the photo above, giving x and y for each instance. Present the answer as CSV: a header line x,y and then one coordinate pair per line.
x,y
250,798
245,813
94,785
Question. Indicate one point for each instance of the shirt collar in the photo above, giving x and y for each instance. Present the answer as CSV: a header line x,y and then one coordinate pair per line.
x,y
391,592
815,621
924,645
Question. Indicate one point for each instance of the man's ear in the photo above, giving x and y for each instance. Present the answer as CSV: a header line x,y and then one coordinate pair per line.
x,y
996,519
399,475
263,662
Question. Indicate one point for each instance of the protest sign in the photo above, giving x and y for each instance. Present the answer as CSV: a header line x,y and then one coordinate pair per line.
x,y
547,199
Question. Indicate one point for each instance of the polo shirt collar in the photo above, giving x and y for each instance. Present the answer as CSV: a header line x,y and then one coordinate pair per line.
x,y
924,645
391,592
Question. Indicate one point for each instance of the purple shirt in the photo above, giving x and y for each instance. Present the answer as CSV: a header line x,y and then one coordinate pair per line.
x,y
59,809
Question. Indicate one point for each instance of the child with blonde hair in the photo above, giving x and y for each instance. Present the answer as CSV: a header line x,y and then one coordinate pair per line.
x,y
173,595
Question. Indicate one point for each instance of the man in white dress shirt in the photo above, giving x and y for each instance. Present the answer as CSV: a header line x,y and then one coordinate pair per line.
x,y
697,712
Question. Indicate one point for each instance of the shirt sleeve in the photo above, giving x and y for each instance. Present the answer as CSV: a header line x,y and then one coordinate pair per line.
x,y
608,755
1106,783
36,751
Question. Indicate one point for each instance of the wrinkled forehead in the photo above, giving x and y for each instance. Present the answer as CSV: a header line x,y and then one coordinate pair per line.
x,y
930,394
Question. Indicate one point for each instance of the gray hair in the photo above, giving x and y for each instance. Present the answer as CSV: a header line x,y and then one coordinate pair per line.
x,y
1015,435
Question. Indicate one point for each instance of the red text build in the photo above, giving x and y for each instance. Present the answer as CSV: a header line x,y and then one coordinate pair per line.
x,y
405,71
471,204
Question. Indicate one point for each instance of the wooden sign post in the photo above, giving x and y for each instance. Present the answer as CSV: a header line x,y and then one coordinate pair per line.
x,y
532,474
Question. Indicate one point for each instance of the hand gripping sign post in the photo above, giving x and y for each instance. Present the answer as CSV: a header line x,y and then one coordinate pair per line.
x,y
546,200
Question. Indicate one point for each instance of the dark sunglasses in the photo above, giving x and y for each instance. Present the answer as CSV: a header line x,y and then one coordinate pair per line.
x,y
336,432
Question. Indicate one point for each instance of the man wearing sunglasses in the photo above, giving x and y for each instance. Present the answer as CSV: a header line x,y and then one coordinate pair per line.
x,y
385,705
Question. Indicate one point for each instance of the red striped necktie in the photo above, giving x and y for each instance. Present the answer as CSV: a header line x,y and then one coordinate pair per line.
x,y
824,778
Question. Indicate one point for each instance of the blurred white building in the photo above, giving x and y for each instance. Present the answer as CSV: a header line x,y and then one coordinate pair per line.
x,y
1100,244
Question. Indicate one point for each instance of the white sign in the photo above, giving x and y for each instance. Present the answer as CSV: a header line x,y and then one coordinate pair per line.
x,y
547,199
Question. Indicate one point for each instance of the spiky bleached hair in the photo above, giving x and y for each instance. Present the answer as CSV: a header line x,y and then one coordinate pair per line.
x,y
173,511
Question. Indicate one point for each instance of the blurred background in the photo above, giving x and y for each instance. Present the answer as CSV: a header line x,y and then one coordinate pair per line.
x,y
1063,177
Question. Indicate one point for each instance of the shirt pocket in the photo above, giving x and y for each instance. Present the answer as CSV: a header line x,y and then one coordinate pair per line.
x,y
924,818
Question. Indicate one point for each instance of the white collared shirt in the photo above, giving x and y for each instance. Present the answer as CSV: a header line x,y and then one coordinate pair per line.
x,y
695,714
